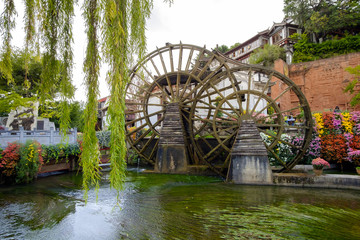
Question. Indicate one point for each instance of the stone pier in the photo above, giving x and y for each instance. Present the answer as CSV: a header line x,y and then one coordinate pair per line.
x,y
171,155
249,161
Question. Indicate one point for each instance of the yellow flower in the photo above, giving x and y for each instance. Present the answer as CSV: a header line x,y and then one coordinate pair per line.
x,y
319,123
346,122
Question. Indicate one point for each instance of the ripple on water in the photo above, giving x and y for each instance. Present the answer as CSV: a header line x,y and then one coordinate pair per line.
x,y
155,206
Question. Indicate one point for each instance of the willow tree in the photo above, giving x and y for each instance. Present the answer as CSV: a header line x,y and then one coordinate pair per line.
x,y
116,32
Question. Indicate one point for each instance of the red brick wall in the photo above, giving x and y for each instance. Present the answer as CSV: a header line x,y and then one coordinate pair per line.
x,y
322,82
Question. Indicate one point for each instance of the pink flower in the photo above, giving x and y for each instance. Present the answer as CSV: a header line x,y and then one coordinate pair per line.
x,y
319,163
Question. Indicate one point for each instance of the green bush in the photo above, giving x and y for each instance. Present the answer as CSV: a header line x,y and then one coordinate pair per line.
x,y
55,152
305,51
29,163
103,138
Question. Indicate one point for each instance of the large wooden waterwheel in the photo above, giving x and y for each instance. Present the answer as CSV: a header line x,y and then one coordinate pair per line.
x,y
244,93
213,99
170,74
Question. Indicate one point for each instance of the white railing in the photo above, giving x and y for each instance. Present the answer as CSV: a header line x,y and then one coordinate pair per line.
x,y
46,137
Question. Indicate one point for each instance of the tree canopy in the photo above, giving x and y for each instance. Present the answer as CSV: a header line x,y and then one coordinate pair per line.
x,y
115,32
19,72
223,48
267,55
325,17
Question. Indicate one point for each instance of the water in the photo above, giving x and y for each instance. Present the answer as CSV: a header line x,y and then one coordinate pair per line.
x,y
158,206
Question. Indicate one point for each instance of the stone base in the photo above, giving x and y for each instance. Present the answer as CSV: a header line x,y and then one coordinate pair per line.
x,y
171,159
250,170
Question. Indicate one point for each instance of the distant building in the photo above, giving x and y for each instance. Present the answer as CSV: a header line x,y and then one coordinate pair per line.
x,y
103,104
279,34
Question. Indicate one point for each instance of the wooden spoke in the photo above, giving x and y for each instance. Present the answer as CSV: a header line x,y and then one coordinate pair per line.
x,y
148,131
197,62
148,142
166,74
146,104
262,94
136,129
290,144
276,156
152,77
143,89
204,80
248,91
283,92
171,60
204,68
155,67
221,144
189,60
153,151
147,116
281,112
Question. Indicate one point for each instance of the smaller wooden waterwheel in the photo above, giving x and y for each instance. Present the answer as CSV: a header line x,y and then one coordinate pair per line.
x,y
172,74
247,92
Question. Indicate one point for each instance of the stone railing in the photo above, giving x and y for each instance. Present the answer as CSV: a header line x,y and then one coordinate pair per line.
x,y
46,137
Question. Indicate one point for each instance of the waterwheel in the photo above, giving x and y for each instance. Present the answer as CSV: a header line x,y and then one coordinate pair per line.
x,y
248,92
172,74
214,94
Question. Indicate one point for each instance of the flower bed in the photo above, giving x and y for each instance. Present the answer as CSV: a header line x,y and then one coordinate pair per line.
x,y
20,163
336,139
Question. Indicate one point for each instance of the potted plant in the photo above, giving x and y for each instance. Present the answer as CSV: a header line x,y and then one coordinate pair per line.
x,y
318,165
358,169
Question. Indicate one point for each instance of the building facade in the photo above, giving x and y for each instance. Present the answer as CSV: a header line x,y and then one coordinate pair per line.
x,y
279,34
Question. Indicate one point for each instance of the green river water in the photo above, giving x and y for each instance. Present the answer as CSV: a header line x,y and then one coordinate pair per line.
x,y
156,206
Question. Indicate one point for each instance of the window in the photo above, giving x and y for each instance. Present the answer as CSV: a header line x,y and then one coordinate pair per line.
x,y
277,37
40,125
292,31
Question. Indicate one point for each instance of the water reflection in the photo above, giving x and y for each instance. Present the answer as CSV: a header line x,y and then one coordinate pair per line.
x,y
176,207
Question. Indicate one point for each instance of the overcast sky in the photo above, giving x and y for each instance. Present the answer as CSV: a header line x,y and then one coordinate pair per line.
x,y
197,22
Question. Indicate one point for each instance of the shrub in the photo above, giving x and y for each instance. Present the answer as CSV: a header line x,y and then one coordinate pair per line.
x,y
333,148
104,138
10,157
29,163
305,51
58,151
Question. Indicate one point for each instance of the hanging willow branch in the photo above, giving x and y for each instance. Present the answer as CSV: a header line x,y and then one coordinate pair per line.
x,y
119,43
7,23
50,27
91,155
66,87
29,19
123,30
115,34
